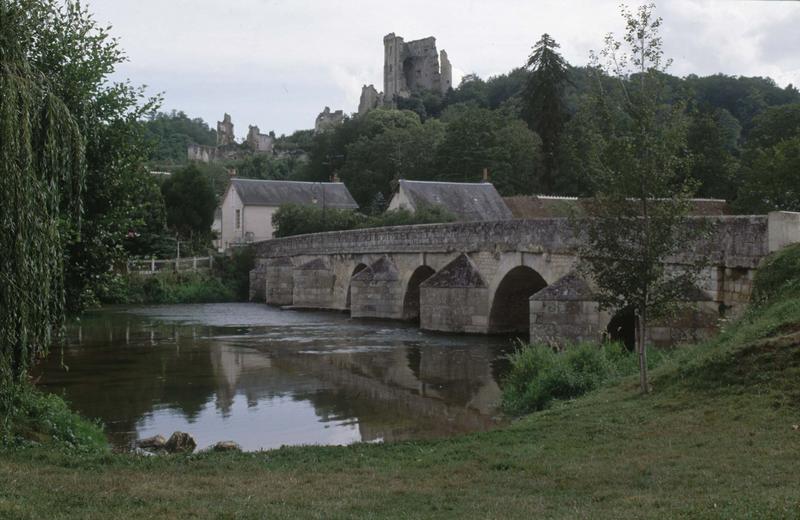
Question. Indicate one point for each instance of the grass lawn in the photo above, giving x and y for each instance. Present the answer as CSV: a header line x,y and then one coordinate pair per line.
x,y
719,437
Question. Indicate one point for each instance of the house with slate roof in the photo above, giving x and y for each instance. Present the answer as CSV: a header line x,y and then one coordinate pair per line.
x,y
466,200
248,205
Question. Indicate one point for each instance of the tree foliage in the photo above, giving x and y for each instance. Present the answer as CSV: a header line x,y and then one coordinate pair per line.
x,y
478,138
42,172
172,133
770,176
638,218
65,48
190,202
295,219
544,109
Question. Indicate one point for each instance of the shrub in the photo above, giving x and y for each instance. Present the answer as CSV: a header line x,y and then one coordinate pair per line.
x,y
294,219
404,217
171,287
29,416
234,271
540,374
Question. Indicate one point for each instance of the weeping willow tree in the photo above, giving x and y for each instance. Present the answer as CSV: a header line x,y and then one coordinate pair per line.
x,y
41,178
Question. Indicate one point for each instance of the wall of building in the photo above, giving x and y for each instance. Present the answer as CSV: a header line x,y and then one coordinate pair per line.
x,y
399,201
202,153
230,234
258,221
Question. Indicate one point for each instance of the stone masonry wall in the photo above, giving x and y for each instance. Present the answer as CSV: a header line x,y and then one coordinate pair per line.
x,y
313,286
736,241
279,281
456,309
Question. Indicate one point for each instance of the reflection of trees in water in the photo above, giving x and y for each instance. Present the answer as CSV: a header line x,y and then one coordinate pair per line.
x,y
121,369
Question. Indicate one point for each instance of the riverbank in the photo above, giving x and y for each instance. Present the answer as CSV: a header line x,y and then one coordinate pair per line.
x,y
719,437
227,281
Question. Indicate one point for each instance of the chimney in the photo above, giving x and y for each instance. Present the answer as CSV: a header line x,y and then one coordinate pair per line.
x,y
486,175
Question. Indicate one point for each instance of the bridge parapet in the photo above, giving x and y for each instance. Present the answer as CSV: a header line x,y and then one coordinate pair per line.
x,y
735,241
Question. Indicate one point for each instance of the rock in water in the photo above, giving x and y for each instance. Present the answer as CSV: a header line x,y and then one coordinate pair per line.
x,y
180,442
226,446
152,443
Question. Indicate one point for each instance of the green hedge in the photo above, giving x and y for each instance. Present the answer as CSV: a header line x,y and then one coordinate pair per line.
x,y
294,219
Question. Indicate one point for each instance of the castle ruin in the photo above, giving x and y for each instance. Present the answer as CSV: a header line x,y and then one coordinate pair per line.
x,y
225,131
258,142
408,67
226,147
327,120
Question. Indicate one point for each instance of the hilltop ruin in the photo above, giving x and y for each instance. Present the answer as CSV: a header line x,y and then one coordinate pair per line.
x,y
408,68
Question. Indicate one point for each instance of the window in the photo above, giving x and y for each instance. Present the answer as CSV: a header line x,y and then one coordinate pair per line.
x,y
238,219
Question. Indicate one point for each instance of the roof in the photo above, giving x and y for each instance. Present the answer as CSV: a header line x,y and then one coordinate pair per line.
x,y
551,206
467,201
255,192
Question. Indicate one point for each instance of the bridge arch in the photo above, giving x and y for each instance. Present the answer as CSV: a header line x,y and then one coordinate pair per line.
x,y
510,310
411,302
357,269
622,328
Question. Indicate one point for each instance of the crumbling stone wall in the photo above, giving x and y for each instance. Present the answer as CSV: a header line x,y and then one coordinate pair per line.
x,y
327,120
413,67
225,135
258,142
370,99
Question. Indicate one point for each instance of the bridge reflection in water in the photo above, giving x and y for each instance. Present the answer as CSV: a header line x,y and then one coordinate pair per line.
x,y
266,378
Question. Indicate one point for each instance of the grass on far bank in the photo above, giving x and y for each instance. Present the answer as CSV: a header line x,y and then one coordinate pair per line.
x,y
719,437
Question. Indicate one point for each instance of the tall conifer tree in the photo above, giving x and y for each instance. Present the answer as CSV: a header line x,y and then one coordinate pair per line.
x,y
544,109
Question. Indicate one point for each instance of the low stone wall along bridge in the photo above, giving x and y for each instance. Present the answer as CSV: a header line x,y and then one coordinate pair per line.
x,y
512,276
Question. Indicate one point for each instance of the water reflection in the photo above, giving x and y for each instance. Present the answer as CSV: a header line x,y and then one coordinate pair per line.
x,y
265,377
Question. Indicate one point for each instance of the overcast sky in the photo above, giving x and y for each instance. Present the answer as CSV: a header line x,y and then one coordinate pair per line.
x,y
277,63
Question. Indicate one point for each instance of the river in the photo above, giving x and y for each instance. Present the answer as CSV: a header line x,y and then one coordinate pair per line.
x,y
266,377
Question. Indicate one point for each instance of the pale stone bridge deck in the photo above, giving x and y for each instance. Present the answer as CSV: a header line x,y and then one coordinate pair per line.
x,y
488,277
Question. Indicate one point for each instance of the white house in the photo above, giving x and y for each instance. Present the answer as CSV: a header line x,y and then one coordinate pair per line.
x,y
467,201
216,229
248,205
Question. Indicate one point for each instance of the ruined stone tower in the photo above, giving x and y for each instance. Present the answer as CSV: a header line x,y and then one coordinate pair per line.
x,y
258,142
225,131
412,67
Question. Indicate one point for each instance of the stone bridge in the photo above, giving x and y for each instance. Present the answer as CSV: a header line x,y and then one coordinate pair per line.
x,y
512,276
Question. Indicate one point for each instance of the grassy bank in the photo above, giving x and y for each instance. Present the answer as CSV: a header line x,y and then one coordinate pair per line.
x,y
228,281
719,437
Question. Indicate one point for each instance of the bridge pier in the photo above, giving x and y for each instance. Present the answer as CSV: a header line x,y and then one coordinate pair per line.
x,y
456,299
377,292
313,285
279,281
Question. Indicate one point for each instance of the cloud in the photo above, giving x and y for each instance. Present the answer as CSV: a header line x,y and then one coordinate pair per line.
x,y
277,63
